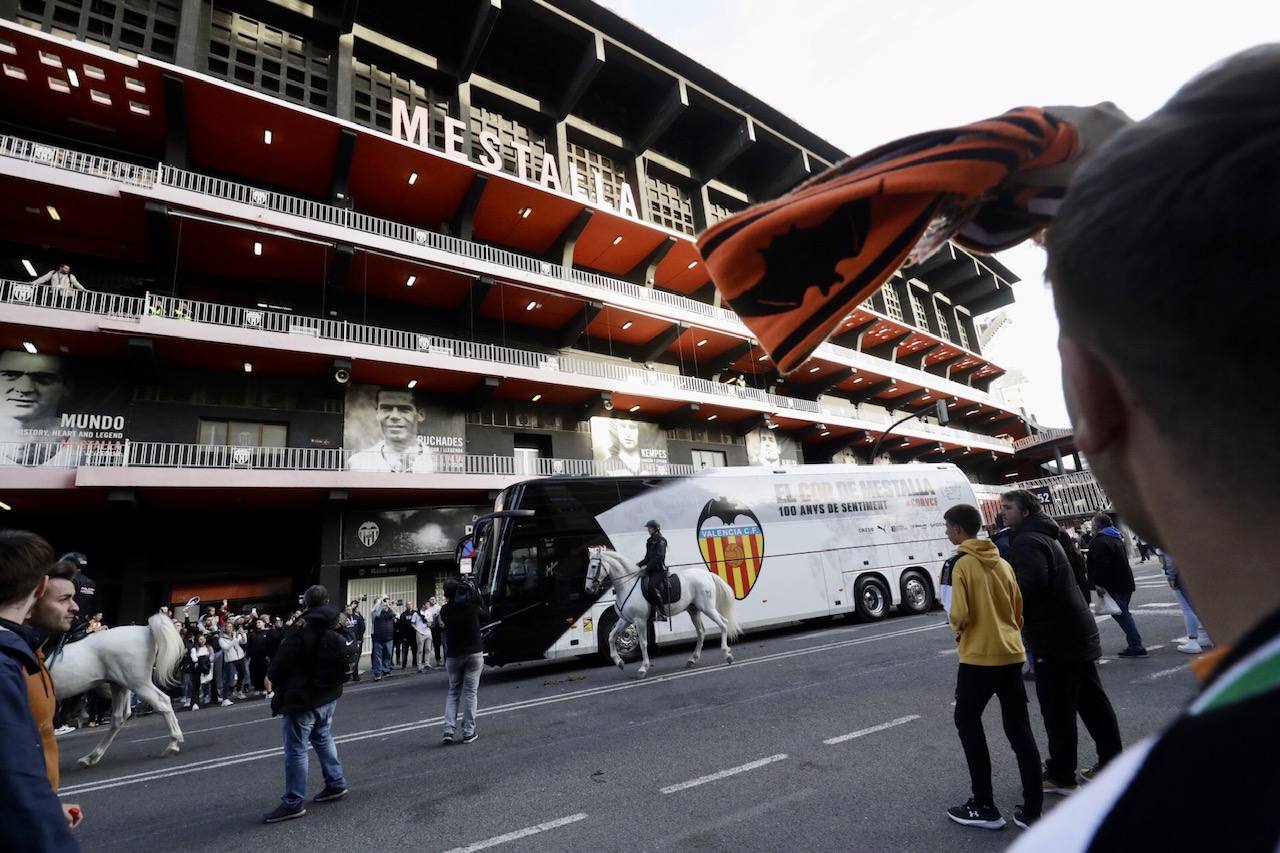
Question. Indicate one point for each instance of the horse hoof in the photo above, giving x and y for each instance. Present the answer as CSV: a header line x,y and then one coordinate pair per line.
x,y
728,659
689,664
621,668
171,749
642,673
87,761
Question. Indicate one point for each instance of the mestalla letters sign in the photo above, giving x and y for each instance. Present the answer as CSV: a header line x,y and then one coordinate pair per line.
x,y
414,126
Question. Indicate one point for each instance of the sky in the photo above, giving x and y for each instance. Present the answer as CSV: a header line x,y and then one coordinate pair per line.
x,y
863,73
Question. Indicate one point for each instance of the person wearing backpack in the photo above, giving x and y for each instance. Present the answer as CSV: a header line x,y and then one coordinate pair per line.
x,y
307,673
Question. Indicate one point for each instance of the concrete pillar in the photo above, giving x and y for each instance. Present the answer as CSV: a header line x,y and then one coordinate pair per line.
x,y
330,576
340,82
1057,460
191,27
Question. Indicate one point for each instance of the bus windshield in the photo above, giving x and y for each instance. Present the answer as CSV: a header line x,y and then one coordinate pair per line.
x,y
485,564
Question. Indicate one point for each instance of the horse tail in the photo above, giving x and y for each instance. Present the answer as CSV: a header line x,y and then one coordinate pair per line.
x,y
724,605
168,648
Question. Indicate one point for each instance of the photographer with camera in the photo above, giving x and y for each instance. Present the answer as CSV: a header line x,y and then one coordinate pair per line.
x,y
384,635
463,616
355,633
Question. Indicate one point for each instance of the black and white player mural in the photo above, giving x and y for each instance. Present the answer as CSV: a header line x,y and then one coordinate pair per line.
x,y
622,446
766,447
392,429
54,407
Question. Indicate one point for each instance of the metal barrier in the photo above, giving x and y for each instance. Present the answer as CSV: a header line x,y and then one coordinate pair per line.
x,y
279,322
145,177
1043,436
74,161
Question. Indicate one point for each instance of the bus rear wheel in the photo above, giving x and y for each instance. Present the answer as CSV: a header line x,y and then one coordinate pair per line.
x,y
917,593
628,642
872,599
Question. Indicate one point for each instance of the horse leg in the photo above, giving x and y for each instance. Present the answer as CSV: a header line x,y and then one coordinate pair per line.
x,y
154,697
695,616
613,647
642,637
714,616
119,713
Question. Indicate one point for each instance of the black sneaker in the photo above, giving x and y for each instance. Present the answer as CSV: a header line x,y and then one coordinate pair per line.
x,y
471,738
1024,818
1133,653
447,740
972,814
1052,786
330,794
284,812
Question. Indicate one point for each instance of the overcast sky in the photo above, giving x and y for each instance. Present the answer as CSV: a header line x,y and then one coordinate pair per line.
x,y
864,73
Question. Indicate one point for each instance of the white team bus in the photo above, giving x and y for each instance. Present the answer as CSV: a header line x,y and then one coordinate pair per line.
x,y
796,543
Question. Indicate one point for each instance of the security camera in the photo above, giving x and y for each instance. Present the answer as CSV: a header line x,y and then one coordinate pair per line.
x,y
341,370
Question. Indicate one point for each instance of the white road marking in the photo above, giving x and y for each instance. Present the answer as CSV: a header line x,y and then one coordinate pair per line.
x,y
1155,647
210,729
520,833
1170,604
417,725
872,730
723,774
1164,673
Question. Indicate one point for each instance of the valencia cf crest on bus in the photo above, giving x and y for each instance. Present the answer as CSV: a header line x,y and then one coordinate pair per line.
x,y
731,540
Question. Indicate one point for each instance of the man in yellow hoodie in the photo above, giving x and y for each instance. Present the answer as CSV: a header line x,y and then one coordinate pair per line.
x,y
986,614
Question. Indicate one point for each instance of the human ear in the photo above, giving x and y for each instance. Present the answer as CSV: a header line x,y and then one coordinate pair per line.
x,y
1095,401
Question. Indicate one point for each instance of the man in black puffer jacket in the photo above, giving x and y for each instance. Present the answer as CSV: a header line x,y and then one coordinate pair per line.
x,y
1061,633
1109,569
307,673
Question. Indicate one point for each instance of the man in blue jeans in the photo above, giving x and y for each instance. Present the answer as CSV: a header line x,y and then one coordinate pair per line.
x,y
1109,569
383,619
307,674
463,616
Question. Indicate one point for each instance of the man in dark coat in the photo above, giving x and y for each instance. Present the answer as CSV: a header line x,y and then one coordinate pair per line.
x,y
307,673
1063,637
1109,569
654,565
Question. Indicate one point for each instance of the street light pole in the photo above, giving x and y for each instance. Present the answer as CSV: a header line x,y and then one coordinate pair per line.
x,y
940,409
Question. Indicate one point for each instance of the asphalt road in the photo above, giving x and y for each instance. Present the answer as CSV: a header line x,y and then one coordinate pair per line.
x,y
837,737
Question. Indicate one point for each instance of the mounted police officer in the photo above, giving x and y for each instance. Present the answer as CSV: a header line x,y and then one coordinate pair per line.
x,y
654,565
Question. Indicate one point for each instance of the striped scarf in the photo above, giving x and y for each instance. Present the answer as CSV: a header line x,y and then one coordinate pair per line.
x,y
795,267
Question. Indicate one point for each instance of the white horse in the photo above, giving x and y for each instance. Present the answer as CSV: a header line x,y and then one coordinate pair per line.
x,y
122,659
701,593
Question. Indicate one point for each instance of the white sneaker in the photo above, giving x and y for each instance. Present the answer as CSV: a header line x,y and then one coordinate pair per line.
x,y
195,707
270,694
227,703
1190,647
1205,642
62,730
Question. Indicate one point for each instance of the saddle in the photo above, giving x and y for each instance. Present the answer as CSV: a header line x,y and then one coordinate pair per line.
x,y
661,593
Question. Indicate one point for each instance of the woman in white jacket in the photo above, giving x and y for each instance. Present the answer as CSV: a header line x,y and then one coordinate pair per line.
x,y
233,662
197,671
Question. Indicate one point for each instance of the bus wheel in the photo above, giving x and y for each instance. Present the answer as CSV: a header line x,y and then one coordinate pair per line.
x,y
628,643
872,599
917,593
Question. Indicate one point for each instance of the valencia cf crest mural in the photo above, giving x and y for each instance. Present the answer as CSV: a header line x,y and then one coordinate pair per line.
x,y
731,540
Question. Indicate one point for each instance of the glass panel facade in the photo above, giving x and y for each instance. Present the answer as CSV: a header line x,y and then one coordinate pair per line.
x,y
588,163
670,205
892,304
147,27
258,56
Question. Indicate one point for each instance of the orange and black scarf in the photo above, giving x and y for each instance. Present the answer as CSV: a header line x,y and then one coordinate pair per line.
x,y
795,267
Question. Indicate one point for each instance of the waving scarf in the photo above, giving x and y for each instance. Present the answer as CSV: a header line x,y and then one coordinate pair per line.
x,y
794,268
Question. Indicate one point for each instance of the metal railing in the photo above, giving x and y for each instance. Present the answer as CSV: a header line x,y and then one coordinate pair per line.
x,y
1074,494
157,454
1043,436
170,176
75,161
279,322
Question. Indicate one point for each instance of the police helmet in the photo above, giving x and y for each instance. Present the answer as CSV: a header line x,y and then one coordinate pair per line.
x,y
80,560
652,525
